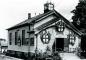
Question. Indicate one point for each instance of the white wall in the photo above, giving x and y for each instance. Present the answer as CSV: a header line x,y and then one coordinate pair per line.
x,y
55,34
22,48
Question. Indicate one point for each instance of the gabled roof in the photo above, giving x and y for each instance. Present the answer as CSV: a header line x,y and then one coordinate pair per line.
x,y
31,20
70,25
36,19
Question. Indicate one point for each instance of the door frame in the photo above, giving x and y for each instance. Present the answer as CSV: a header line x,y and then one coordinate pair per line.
x,y
54,46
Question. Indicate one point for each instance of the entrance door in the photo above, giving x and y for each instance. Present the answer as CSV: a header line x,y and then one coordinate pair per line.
x,y
58,44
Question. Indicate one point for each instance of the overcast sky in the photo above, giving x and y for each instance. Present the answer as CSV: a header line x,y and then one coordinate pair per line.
x,y
14,11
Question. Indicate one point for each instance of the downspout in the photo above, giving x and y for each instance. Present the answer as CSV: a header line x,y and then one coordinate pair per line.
x,y
29,41
36,46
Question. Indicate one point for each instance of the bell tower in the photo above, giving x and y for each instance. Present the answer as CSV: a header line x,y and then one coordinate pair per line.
x,y
48,7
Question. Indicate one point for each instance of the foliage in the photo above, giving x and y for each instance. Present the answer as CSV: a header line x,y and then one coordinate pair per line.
x,y
79,17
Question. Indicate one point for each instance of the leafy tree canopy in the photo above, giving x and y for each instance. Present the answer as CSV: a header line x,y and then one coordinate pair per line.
x,y
79,17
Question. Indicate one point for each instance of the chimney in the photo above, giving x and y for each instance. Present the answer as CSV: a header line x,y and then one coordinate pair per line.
x,y
29,15
48,7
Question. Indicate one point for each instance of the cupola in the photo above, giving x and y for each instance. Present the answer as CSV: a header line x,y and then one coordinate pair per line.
x,y
48,7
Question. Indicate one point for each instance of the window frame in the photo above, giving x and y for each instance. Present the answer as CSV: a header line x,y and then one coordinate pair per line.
x,y
10,38
32,41
44,37
23,38
72,38
60,26
16,37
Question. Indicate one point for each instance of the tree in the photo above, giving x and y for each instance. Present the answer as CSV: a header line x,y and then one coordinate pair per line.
x,y
79,20
79,17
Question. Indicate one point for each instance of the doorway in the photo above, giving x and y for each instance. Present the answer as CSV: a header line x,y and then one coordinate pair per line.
x,y
58,44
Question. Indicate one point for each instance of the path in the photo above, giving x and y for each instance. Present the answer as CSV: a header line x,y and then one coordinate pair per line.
x,y
69,56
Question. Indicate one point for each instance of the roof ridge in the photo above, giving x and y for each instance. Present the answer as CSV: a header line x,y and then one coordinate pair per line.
x,y
31,19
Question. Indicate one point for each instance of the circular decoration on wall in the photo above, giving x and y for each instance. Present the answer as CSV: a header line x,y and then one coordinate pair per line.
x,y
45,37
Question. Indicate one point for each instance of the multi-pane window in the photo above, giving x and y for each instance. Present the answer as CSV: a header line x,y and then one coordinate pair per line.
x,y
10,38
19,41
71,38
16,37
23,37
45,37
27,41
60,26
31,41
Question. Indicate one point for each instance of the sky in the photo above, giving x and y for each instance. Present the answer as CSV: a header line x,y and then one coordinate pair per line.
x,y
13,12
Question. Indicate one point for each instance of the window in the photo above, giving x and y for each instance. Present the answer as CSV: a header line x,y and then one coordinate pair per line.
x,y
16,37
10,38
19,41
45,37
32,42
23,37
27,41
31,28
51,7
60,26
71,38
